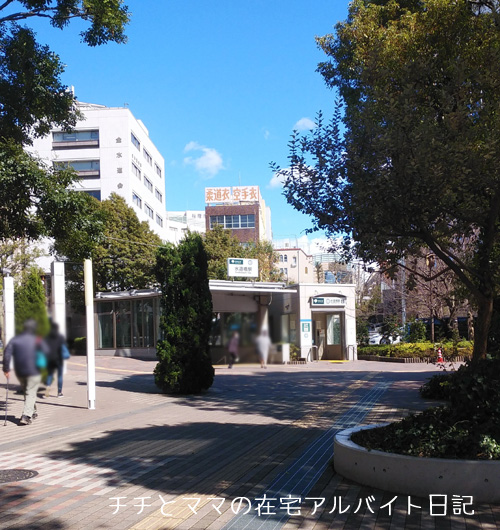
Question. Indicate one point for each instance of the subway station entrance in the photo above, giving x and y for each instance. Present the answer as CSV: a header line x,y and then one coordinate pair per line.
x,y
328,330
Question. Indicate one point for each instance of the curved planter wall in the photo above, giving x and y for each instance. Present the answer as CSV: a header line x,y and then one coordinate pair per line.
x,y
411,475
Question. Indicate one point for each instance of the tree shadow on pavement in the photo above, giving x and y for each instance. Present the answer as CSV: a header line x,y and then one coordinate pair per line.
x,y
192,457
18,513
286,395
255,418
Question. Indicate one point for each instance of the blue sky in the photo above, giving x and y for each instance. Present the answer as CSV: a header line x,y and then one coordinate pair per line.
x,y
220,85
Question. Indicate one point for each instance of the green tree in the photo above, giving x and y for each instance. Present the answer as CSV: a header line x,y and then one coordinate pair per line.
x,y
220,245
32,97
264,252
30,302
125,257
184,365
419,162
35,200
17,255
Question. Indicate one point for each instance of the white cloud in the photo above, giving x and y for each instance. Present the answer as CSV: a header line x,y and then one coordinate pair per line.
x,y
279,177
277,180
304,124
267,134
208,163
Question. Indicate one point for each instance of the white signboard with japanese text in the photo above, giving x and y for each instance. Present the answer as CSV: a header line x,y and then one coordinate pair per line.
x,y
232,194
245,268
327,301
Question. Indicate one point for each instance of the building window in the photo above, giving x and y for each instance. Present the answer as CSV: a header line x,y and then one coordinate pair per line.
x,y
233,221
135,141
285,258
136,200
86,169
148,184
158,170
294,261
136,171
94,193
158,195
75,139
147,156
281,258
159,220
149,211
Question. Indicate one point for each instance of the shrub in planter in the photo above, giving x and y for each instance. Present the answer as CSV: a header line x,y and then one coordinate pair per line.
x,y
420,350
382,350
438,387
468,428
184,365
435,433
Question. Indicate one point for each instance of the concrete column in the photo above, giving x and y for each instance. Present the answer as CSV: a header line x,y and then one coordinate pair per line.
x,y
59,296
8,297
263,313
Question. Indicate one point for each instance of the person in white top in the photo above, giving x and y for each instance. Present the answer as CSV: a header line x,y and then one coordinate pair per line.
x,y
263,343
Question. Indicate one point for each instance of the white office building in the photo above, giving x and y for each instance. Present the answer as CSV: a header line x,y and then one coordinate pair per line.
x,y
112,152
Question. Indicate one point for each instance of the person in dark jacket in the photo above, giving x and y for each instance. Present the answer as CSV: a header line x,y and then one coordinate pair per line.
x,y
22,348
55,361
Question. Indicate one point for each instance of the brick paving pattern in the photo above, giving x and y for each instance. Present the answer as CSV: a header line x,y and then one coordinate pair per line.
x,y
143,460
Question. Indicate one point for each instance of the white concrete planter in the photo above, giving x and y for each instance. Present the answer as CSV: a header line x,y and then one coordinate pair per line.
x,y
411,475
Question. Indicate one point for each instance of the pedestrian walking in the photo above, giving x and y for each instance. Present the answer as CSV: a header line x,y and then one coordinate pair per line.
x,y
23,350
263,343
233,348
55,358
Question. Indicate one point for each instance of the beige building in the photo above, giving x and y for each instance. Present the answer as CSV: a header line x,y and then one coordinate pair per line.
x,y
295,265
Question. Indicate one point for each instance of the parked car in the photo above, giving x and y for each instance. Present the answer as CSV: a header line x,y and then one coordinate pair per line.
x,y
376,336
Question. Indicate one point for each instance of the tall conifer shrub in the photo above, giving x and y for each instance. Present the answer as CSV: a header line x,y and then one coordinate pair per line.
x,y
30,302
184,364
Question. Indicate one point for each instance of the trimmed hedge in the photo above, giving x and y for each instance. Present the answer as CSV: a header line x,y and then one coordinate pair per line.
x,y
418,349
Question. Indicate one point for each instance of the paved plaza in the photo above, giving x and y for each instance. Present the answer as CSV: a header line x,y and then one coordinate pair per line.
x,y
254,452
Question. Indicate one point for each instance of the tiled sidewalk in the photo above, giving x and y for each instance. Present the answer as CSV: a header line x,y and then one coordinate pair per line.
x,y
167,462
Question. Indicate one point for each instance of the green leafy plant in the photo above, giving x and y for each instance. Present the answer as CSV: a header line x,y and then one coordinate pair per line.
x,y
469,427
422,350
294,352
438,387
416,331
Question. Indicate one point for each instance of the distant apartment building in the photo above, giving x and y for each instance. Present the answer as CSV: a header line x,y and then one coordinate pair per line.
x,y
112,152
240,209
330,268
194,220
295,265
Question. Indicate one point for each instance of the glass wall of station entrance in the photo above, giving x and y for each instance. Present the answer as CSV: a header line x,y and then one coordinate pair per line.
x,y
127,323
